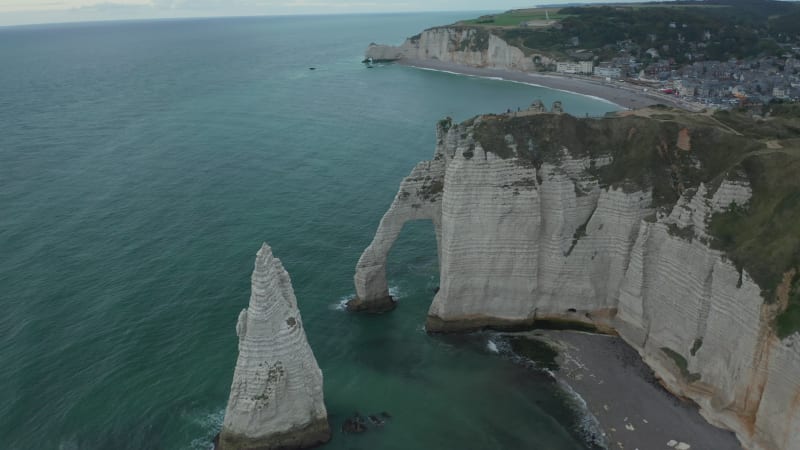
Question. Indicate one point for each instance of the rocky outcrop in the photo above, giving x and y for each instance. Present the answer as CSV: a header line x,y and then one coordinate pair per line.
x,y
419,197
276,399
603,222
470,46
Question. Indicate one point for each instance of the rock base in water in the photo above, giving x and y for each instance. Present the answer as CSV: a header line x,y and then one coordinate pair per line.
x,y
435,324
312,435
598,324
383,305
276,399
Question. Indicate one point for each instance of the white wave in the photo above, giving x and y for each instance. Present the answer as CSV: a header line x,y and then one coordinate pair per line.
x,y
70,444
528,83
211,423
589,425
395,292
491,346
341,304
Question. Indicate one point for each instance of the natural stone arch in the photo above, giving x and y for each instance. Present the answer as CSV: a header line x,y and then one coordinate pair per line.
x,y
418,198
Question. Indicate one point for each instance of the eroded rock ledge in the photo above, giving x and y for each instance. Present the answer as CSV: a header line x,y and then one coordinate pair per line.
x,y
276,399
606,222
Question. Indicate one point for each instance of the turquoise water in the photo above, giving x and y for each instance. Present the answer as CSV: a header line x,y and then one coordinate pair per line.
x,y
141,166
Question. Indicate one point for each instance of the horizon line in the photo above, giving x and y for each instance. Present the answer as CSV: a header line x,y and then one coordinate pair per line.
x,y
234,16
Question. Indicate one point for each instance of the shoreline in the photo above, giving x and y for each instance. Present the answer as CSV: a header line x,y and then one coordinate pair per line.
x,y
631,407
618,93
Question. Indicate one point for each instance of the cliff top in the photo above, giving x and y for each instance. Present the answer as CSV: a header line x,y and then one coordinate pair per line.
x,y
672,152
722,28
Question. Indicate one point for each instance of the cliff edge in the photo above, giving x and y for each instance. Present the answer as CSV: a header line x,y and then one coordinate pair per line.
x,y
469,46
675,230
276,399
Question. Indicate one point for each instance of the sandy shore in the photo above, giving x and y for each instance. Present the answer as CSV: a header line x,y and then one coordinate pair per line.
x,y
633,410
622,94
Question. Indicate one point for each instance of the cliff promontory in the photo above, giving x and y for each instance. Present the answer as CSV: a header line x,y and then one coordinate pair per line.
x,y
276,397
677,231
468,46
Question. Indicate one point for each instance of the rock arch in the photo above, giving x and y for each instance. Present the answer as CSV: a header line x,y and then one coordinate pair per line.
x,y
419,198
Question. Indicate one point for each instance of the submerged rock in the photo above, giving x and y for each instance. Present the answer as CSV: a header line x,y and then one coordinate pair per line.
x,y
359,424
276,398
354,425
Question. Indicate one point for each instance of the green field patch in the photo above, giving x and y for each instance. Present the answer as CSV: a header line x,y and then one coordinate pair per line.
x,y
516,17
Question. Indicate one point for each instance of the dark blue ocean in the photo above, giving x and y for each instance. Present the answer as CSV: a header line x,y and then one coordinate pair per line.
x,y
141,166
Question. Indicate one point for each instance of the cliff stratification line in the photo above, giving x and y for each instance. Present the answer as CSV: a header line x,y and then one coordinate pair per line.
x,y
608,223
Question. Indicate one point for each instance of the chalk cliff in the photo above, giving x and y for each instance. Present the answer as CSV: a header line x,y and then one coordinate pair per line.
x,y
468,46
606,222
276,397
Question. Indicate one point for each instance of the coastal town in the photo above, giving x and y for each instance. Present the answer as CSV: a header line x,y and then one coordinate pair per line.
x,y
717,54
749,83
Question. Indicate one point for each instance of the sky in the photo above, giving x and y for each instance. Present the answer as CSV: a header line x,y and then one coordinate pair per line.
x,y
18,12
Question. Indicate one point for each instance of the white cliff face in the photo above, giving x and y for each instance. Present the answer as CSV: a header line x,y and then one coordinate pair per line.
x,y
276,396
777,415
520,243
503,238
466,46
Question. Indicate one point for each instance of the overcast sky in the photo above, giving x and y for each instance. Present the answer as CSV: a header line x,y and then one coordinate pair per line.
x,y
15,12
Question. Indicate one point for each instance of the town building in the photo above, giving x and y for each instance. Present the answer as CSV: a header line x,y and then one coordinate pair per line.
x,y
614,73
582,67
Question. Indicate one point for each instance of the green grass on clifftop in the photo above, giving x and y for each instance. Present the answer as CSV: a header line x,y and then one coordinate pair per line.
x,y
788,322
643,150
762,237
738,28
515,17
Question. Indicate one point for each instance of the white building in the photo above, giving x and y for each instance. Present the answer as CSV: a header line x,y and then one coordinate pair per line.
x,y
614,73
780,92
584,67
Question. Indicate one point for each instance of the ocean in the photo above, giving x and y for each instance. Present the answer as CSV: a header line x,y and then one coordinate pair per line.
x,y
141,166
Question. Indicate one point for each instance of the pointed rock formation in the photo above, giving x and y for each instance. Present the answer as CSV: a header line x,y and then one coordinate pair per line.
x,y
276,396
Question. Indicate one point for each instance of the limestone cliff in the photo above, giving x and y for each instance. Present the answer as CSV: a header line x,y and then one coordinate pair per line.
x,y
607,222
470,46
276,396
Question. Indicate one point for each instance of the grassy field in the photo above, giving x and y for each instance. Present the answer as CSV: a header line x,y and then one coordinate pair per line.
x,y
789,320
764,237
514,17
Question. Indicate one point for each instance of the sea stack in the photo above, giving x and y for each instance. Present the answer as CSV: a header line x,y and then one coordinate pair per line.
x,y
276,399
